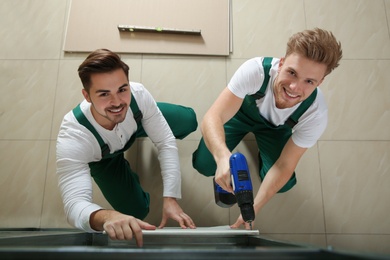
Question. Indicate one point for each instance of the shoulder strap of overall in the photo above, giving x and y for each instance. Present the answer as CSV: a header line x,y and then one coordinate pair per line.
x,y
137,114
267,63
82,119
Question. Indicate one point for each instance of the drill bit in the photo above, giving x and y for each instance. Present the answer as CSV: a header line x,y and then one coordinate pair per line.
x,y
250,225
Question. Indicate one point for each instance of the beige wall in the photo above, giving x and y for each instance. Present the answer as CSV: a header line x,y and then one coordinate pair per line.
x,y
342,196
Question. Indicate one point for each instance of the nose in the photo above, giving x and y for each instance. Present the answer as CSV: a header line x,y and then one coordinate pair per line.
x,y
294,85
115,100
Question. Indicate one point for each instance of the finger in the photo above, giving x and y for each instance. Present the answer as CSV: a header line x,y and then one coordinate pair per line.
x,y
148,227
188,221
113,232
224,184
185,221
139,239
227,187
127,232
227,184
237,224
182,225
119,234
191,224
163,222
179,217
137,233
145,225
109,231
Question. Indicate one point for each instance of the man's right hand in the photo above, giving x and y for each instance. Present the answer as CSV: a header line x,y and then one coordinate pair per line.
x,y
222,174
119,226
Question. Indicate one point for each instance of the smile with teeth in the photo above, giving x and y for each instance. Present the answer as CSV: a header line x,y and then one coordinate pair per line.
x,y
115,110
290,95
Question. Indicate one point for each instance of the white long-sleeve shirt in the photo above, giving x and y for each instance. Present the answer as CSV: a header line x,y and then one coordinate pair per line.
x,y
248,79
77,146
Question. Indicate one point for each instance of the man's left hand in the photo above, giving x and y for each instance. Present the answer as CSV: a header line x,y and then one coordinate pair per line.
x,y
171,209
241,222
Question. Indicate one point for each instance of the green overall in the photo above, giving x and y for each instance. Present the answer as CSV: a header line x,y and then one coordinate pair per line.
x,y
270,139
119,184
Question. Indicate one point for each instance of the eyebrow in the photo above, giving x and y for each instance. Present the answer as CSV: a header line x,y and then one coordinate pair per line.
x,y
106,91
124,85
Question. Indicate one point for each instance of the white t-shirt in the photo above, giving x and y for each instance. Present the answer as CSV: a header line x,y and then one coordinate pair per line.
x,y
248,79
77,146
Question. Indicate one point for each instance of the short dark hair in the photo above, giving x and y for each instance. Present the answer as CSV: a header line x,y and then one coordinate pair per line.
x,y
100,61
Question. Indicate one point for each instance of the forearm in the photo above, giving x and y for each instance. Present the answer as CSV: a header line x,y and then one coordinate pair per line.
x,y
76,193
275,179
170,171
214,137
212,126
279,174
160,133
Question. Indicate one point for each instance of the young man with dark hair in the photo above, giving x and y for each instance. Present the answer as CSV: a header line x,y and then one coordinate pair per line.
x,y
93,138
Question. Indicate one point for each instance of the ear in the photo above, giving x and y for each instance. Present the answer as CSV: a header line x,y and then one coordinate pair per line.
x,y
86,95
281,63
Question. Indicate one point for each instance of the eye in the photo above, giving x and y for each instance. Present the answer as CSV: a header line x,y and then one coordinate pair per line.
x,y
103,94
310,82
291,72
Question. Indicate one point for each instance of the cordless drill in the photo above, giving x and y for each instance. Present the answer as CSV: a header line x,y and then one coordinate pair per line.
x,y
242,187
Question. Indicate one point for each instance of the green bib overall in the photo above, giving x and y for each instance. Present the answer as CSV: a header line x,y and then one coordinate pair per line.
x,y
119,184
270,139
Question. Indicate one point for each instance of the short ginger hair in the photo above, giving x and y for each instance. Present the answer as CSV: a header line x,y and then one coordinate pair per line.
x,y
318,45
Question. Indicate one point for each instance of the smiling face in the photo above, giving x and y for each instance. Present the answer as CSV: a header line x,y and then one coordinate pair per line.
x,y
297,79
110,97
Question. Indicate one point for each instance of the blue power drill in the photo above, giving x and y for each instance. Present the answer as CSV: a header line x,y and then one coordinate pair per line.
x,y
242,187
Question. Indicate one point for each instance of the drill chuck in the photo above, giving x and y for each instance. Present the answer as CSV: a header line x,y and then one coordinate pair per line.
x,y
245,202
